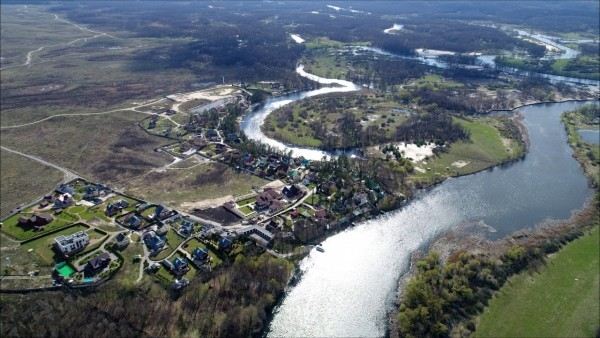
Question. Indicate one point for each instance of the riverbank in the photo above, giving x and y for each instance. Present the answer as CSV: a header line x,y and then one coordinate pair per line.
x,y
470,239
587,154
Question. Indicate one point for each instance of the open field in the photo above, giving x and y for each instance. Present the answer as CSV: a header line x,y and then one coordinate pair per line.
x,y
10,225
317,122
107,149
203,181
129,272
43,247
561,300
485,148
23,180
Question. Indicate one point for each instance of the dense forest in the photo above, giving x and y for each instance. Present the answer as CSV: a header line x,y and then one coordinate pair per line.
x,y
233,303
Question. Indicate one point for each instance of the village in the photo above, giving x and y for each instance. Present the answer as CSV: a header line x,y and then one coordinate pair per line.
x,y
82,228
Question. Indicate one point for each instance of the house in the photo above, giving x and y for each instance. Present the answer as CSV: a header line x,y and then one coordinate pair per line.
x,y
265,198
225,244
36,221
275,206
121,241
97,264
179,266
161,229
260,235
153,241
72,243
292,191
62,201
186,228
179,284
65,189
200,255
133,221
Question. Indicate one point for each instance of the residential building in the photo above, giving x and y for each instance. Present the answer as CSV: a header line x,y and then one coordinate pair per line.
x,y
97,264
36,221
72,243
153,241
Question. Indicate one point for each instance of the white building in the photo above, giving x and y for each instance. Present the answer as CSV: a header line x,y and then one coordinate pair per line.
x,y
72,243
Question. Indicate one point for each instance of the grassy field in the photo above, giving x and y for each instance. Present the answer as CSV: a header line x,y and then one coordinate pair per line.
x,y
128,273
43,247
485,148
561,300
110,149
194,243
295,123
23,180
11,227
204,181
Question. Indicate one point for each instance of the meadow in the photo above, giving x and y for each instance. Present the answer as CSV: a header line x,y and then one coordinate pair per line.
x,y
559,300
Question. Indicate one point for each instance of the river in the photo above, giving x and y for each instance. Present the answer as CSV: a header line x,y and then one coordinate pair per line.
x,y
252,122
349,289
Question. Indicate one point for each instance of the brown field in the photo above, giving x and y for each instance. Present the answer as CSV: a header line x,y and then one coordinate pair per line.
x,y
203,181
23,180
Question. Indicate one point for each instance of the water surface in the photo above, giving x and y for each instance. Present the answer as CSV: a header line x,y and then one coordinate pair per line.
x,y
349,289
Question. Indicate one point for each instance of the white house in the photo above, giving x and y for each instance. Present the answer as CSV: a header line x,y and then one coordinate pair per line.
x,y
72,243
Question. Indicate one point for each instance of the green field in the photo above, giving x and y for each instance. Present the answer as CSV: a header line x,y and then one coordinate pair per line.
x,y
485,148
194,243
42,247
11,227
561,300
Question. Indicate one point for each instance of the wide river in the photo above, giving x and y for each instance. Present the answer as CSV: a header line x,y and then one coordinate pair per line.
x,y
349,289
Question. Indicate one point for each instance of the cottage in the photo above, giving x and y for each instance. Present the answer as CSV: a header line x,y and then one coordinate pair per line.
x,y
186,228
62,201
180,266
265,198
133,221
153,241
200,255
225,244
65,189
121,241
72,243
97,264
36,221
292,191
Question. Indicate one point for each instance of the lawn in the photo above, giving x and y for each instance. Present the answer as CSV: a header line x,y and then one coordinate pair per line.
x,y
246,210
10,225
194,243
42,247
561,300
173,240
128,273
485,148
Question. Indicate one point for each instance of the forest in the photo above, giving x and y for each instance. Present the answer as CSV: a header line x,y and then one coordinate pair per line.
x,y
442,298
234,302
